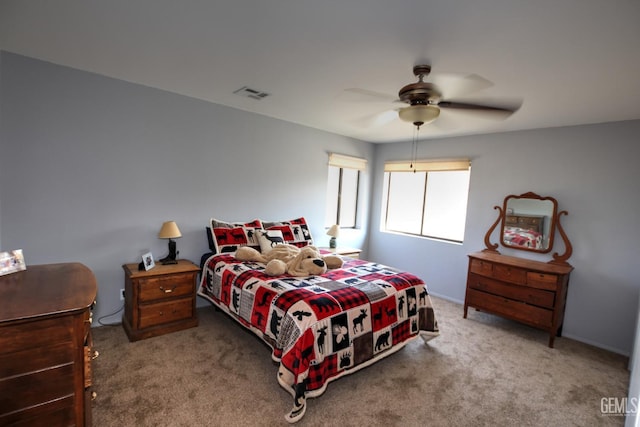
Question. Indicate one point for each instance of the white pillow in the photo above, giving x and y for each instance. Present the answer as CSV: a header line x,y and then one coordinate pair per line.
x,y
268,239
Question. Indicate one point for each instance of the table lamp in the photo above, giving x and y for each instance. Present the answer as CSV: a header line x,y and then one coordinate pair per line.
x,y
170,231
334,231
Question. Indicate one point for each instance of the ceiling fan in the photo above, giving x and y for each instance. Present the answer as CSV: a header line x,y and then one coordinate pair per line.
x,y
426,100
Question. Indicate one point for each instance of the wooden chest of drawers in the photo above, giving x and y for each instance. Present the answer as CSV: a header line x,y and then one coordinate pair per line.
x,y
528,222
45,345
160,300
528,291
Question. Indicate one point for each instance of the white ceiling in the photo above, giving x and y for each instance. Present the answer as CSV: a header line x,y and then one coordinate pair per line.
x,y
570,61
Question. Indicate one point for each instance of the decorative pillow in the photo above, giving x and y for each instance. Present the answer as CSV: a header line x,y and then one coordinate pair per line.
x,y
229,236
268,239
294,232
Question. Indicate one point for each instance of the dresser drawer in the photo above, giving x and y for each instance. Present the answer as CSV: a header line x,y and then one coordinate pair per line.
x,y
526,221
526,313
89,355
36,334
481,267
524,294
35,359
511,219
58,412
168,286
542,280
510,274
165,312
27,391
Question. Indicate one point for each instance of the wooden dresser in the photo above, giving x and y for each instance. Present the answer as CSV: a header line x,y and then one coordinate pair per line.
x,y
528,291
528,222
45,345
160,300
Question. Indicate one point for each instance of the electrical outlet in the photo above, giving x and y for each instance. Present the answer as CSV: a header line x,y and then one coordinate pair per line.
x,y
121,294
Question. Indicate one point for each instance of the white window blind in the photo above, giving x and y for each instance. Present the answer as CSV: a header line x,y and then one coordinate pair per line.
x,y
428,165
348,162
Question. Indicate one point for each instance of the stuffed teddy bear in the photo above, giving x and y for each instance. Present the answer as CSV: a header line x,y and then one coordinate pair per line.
x,y
300,262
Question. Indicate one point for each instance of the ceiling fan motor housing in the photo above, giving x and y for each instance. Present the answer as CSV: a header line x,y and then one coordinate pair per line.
x,y
420,93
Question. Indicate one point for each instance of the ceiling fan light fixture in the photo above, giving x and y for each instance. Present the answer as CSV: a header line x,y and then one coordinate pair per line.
x,y
419,114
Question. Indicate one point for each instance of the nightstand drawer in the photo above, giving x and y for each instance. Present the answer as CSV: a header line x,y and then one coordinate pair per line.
x,y
165,312
169,286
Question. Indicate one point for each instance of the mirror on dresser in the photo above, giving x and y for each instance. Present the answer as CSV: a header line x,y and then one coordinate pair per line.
x,y
528,222
525,290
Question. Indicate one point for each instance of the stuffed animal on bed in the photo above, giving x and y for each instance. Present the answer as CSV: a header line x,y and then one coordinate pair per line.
x,y
300,262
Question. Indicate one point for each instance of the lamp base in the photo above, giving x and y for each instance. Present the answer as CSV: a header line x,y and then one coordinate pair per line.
x,y
332,243
173,254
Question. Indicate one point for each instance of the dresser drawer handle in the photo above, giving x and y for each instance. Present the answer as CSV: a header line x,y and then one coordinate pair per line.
x,y
94,395
167,291
95,355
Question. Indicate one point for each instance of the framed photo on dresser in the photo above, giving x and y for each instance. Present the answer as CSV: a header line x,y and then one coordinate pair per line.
x,y
11,262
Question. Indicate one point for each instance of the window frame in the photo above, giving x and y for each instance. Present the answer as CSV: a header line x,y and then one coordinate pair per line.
x,y
423,166
342,162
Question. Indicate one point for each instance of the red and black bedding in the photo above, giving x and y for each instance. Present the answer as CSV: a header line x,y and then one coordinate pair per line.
x,y
522,237
323,327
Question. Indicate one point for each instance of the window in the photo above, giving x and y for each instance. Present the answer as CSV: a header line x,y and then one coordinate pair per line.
x,y
428,200
342,190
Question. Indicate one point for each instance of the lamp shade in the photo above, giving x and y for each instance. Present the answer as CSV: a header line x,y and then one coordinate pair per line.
x,y
334,231
169,230
419,114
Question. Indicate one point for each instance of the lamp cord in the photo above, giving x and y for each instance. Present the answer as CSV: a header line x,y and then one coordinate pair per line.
x,y
109,315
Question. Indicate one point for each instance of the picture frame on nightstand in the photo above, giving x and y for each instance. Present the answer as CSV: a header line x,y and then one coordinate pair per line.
x,y
147,261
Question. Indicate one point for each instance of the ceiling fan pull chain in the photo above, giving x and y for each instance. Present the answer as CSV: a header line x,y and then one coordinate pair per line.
x,y
414,148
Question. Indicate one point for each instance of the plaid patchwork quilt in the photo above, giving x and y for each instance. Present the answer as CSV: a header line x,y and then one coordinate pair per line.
x,y
321,327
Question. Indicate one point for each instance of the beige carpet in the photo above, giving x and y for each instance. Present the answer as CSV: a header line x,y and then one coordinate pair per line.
x,y
482,371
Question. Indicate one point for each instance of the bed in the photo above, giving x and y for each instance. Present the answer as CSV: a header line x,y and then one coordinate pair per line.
x,y
522,237
319,328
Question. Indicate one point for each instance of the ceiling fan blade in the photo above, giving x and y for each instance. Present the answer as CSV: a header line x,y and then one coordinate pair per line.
x,y
365,95
457,85
378,119
498,110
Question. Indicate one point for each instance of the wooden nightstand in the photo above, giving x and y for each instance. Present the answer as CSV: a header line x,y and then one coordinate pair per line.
x,y
159,301
350,252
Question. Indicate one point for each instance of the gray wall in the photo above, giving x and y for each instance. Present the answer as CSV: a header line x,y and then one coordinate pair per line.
x,y
92,166
592,172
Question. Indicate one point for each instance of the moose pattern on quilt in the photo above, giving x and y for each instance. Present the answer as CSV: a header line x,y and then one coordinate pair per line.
x,y
321,327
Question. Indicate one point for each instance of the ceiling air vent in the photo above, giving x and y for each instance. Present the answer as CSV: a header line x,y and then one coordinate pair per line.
x,y
251,93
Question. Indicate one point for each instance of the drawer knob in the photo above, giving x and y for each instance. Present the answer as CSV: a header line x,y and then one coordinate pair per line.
x,y
166,290
95,355
94,395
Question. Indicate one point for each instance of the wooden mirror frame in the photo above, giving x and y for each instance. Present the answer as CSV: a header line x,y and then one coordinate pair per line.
x,y
555,223
524,215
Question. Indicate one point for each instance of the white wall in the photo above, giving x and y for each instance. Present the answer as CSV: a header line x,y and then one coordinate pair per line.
x,y
92,166
592,172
